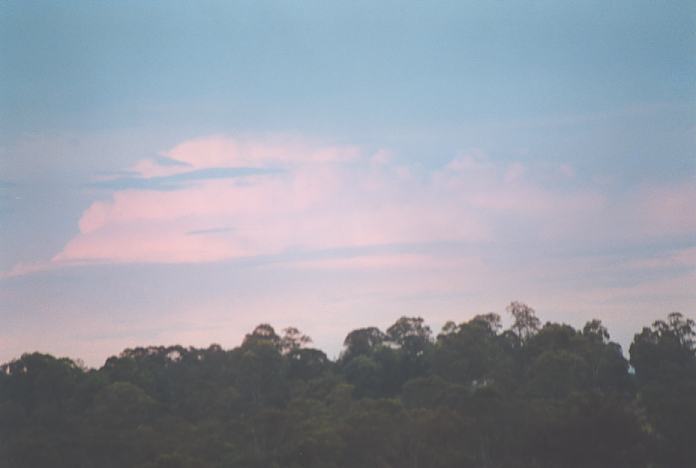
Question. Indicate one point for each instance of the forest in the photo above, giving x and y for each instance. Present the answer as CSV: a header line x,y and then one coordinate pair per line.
x,y
473,395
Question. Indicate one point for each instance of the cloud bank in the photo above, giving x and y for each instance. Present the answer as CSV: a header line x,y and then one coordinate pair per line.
x,y
229,198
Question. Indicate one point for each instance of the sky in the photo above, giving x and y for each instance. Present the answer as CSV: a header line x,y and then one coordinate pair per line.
x,y
179,172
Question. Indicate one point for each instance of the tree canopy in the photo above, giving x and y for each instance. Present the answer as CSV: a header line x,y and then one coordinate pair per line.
x,y
474,395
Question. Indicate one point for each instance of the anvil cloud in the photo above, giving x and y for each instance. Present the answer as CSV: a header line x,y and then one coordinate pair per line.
x,y
313,197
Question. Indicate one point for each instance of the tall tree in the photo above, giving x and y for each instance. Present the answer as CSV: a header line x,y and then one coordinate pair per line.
x,y
410,334
293,339
525,322
362,341
263,334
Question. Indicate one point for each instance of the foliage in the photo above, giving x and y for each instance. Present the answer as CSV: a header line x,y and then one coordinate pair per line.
x,y
474,396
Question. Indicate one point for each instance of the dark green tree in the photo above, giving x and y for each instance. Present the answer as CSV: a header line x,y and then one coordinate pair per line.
x,y
664,359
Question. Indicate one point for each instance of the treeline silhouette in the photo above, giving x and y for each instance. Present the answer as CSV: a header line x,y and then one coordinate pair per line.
x,y
474,395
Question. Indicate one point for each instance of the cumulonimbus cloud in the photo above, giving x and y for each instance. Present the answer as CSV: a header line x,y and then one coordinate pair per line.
x,y
320,197
315,197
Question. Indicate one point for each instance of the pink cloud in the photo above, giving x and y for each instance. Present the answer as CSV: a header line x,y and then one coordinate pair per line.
x,y
679,258
147,242
567,170
514,172
315,204
669,209
336,197
149,168
397,261
224,152
382,157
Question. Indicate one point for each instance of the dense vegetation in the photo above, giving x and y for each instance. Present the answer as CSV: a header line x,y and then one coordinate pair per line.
x,y
472,396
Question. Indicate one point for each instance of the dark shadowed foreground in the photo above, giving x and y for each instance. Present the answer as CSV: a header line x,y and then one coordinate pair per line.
x,y
474,396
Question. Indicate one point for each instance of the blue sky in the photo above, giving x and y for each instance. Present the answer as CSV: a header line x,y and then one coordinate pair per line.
x,y
178,172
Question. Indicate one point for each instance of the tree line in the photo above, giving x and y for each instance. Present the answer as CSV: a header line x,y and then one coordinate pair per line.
x,y
474,395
